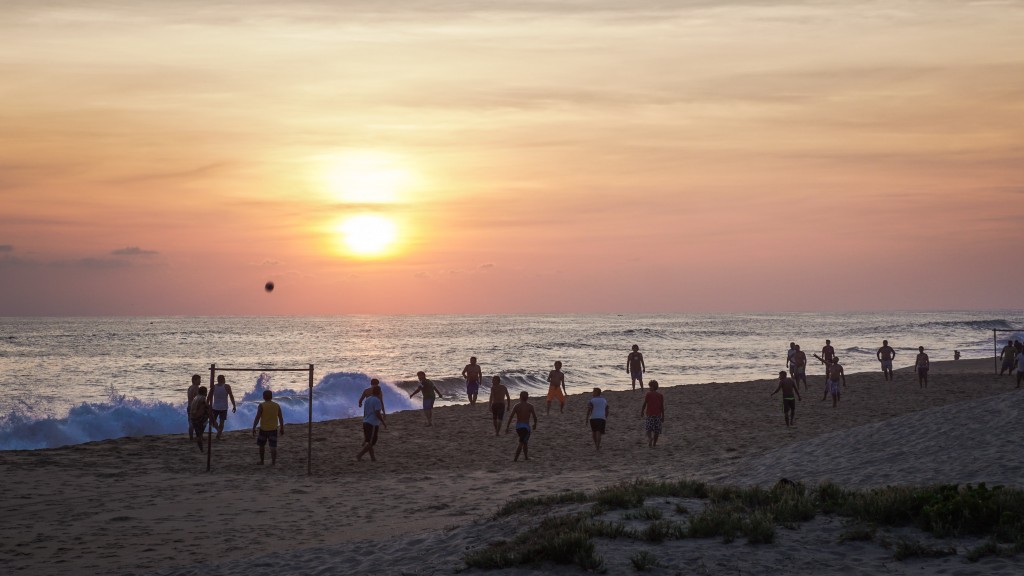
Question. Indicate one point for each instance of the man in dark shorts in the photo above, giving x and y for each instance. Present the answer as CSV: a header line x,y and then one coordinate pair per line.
x,y
798,366
218,398
199,414
270,418
473,376
653,412
197,381
635,367
827,353
790,394
522,412
921,367
1008,355
885,356
373,418
597,415
499,401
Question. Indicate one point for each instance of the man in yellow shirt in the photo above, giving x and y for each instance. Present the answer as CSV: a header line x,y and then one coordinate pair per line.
x,y
268,416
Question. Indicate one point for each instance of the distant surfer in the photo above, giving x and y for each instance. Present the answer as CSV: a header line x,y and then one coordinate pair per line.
x,y
499,401
473,376
523,412
885,356
429,391
635,367
218,399
556,388
921,367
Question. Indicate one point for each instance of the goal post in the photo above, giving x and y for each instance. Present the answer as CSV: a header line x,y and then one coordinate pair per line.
x,y
309,427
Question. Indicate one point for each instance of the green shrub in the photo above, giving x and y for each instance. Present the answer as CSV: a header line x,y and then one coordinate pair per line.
x,y
643,561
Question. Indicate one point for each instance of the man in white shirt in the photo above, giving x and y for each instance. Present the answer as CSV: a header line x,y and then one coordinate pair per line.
x,y
597,415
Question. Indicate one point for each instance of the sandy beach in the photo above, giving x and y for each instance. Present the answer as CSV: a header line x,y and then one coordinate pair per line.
x,y
147,506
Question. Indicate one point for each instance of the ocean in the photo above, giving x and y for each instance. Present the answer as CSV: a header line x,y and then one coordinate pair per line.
x,y
73,380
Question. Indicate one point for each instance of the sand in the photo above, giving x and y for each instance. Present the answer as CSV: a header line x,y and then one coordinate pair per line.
x,y
147,505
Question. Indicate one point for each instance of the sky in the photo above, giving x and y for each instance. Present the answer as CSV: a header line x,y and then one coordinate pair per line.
x,y
170,158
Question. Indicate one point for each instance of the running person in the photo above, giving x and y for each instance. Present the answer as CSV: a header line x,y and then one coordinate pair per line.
x,y
522,413
499,401
556,388
270,418
373,418
218,399
790,394
799,366
635,367
473,376
833,374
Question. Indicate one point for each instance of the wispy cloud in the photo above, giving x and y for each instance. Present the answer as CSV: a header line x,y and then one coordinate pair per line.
x,y
133,251
6,248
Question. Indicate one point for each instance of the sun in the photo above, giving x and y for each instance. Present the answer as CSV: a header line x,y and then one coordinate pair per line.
x,y
368,235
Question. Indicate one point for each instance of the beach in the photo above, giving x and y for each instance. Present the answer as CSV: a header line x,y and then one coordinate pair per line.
x,y
146,505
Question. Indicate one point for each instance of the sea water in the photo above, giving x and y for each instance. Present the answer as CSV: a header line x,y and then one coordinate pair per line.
x,y
73,380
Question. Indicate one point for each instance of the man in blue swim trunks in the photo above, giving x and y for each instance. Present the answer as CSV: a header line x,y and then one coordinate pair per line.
x,y
522,413
429,393
473,375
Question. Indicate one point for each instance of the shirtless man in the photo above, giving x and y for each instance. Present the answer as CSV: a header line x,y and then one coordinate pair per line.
x,y
827,353
522,413
556,387
921,367
197,381
885,355
798,366
473,376
833,374
1008,355
373,391
499,401
199,414
635,367
790,394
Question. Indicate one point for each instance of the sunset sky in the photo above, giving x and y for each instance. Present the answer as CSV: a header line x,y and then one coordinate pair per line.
x,y
524,156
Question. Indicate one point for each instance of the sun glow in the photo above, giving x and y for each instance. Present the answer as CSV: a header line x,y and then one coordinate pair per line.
x,y
368,236
366,177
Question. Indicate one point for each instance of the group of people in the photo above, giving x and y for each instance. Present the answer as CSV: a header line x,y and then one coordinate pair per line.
x,y
211,407
1012,356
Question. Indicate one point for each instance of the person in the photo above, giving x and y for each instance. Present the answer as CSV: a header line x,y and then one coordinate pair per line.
x,y
373,390
522,413
499,401
197,380
956,356
799,366
833,374
373,418
1008,355
827,352
429,393
790,394
789,356
198,414
653,413
597,415
635,367
473,376
1020,369
921,367
270,418
218,399
556,387
885,356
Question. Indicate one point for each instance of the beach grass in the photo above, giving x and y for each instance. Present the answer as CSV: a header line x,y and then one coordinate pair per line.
x,y
731,512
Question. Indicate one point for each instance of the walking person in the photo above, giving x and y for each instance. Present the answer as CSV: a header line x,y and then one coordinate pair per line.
x,y
523,412
635,367
653,413
197,381
790,394
556,388
473,375
218,399
499,401
597,415
429,391
373,418
270,419
199,414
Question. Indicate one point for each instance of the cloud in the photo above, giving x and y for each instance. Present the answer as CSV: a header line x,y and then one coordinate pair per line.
x,y
486,266
6,248
133,251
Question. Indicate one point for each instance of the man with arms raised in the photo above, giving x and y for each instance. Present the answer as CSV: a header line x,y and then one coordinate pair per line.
x,y
522,413
499,401
885,355
473,376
